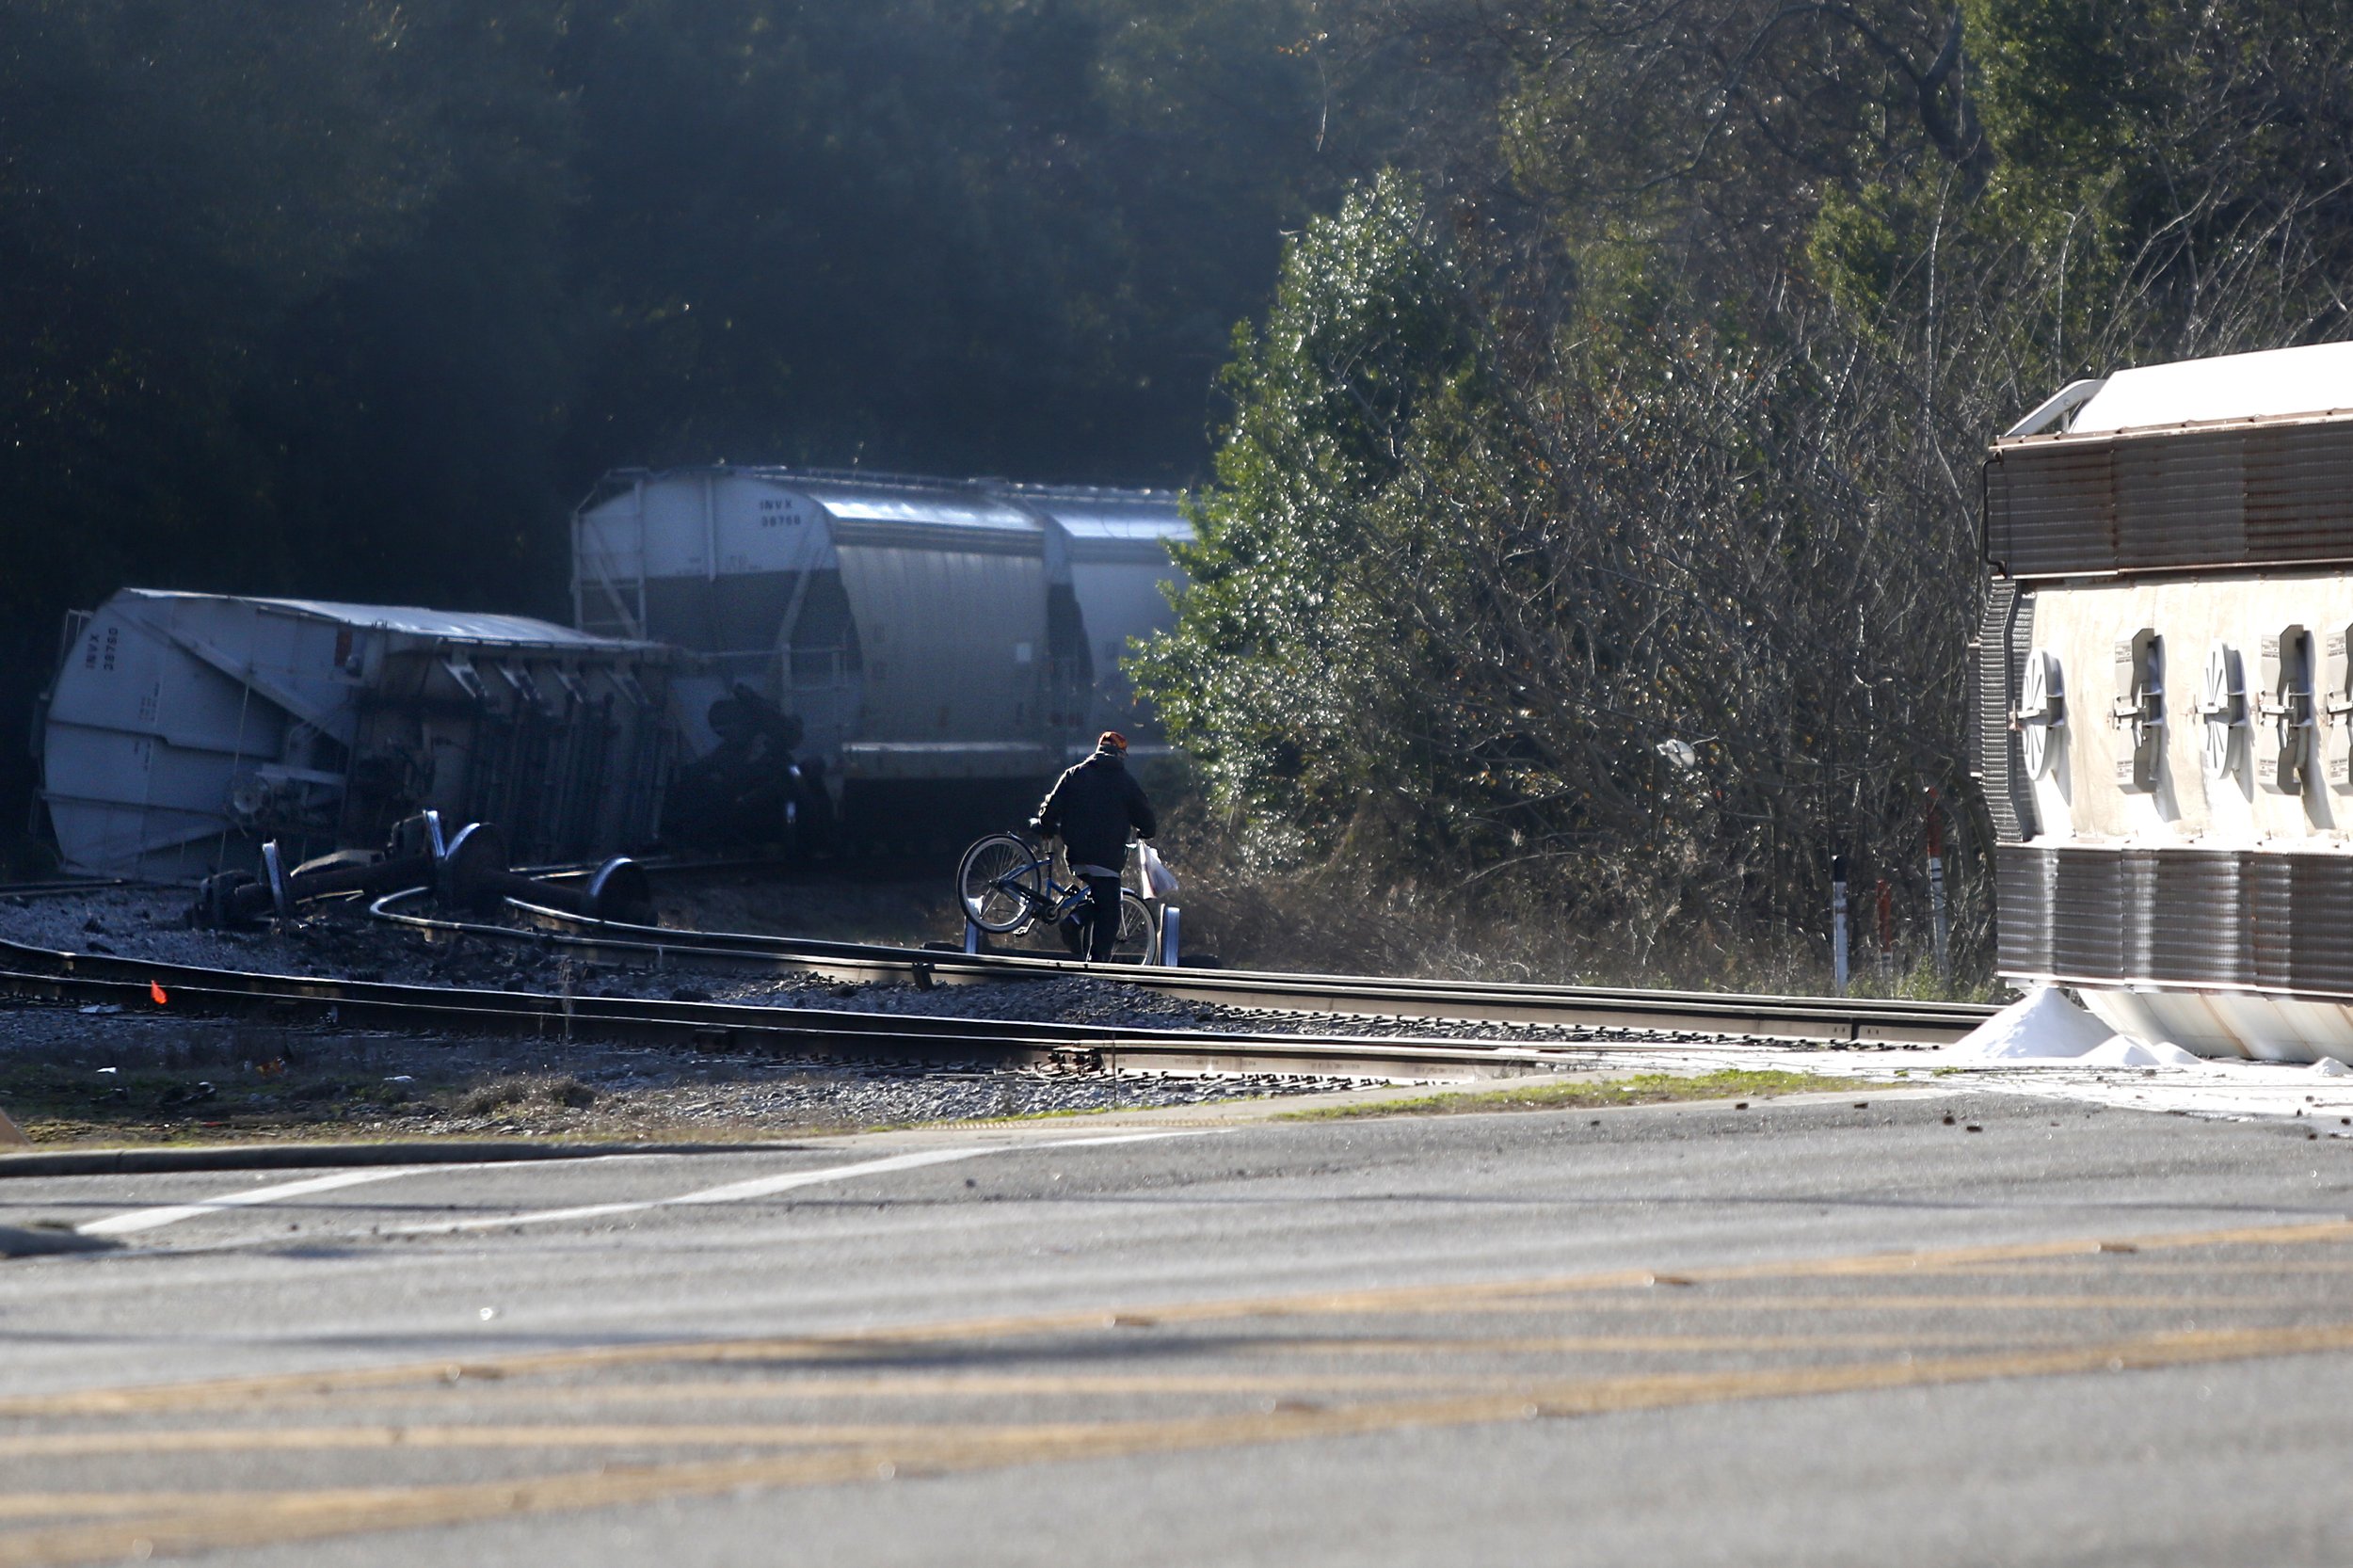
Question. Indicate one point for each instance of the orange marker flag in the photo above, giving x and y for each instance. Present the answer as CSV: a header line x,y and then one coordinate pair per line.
x,y
155,989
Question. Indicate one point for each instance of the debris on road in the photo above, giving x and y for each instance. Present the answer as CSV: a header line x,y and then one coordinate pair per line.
x,y
45,1241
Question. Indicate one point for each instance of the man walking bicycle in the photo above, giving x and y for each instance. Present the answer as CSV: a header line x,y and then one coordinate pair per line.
x,y
1093,805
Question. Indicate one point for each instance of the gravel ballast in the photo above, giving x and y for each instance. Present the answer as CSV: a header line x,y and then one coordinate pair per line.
x,y
341,941
88,1073
75,1077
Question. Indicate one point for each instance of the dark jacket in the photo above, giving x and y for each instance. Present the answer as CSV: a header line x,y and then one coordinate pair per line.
x,y
1091,807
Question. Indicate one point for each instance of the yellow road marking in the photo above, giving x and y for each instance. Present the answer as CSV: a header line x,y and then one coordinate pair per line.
x,y
446,1434
48,1505
419,1436
952,1383
849,1343
1991,1302
1697,1301
258,1519
140,1507
1578,1344
2134,1268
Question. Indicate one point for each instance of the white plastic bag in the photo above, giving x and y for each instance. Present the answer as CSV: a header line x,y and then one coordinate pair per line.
x,y
1159,881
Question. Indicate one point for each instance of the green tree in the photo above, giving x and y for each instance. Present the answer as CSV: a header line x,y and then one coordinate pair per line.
x,y
1737,292
1278,676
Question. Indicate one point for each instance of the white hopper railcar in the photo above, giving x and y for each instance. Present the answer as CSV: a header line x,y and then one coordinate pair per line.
x,y
925,632
183,729
2164,700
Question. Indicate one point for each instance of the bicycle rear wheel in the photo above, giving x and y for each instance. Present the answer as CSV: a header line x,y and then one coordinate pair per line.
x,y
1000,881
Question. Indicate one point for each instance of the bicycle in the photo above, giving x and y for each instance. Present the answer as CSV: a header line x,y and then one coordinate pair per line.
x,y
1006,885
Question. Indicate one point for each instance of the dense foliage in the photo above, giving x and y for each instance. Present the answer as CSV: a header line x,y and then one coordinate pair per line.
x,y
1597,518
351,297
1591,525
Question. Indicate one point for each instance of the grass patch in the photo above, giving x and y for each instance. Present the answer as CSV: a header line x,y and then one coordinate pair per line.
x,y
1640,1089
1049,1115
522,1089
61,1104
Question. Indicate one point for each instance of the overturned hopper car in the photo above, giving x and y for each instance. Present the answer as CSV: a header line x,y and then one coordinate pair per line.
x,y
184,729
946,645
2165,699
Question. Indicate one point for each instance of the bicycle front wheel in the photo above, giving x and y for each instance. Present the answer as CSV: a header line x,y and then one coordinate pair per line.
x,y
1000,881
1134,945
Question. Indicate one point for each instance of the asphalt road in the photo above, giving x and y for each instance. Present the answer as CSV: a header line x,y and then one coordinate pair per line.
x,y
1797,1333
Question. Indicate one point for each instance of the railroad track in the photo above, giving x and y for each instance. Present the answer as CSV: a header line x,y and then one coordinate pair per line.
x,y
67,885
133,984
1813,1020
141,986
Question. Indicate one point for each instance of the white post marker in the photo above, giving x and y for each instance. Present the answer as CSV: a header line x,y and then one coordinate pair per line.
x,y
1885,904
971,936
11,1135
1168,935
1940,920
1838,925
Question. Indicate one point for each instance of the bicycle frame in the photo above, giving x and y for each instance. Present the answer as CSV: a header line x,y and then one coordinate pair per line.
x,y
1057,902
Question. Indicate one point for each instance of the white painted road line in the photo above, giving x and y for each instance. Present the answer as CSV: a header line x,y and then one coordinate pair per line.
x,y
732,1193
760,1187
154,1218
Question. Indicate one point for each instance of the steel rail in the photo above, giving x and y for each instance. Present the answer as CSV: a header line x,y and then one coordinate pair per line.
x,y
72,884
1811,1020
132,984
